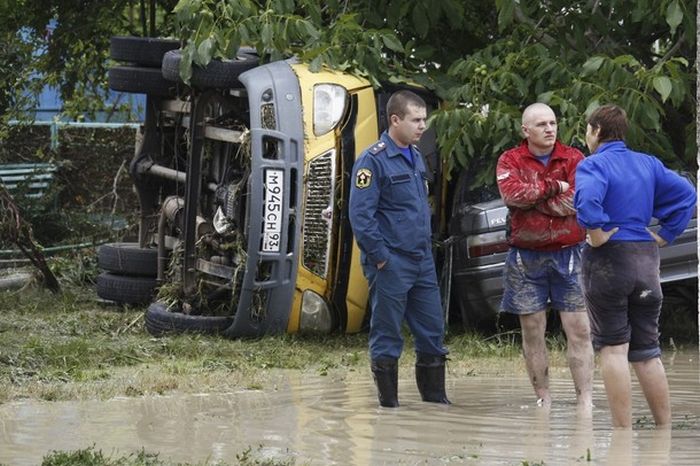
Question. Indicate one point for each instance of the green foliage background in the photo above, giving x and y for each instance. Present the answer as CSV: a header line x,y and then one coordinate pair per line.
x,y
486,59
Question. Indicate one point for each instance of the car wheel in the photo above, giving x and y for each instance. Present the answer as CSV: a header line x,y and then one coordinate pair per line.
x,y
142,51
128,259
125,289
217,74
139,80
161,321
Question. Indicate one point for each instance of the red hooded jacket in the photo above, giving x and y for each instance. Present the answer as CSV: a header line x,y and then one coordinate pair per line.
x,y
541,217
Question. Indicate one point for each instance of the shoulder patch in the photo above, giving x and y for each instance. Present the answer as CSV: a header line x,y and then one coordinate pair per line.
x,y
364,178
377,148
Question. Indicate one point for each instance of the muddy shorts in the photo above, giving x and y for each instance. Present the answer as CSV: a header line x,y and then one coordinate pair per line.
x,y
620,281
537,280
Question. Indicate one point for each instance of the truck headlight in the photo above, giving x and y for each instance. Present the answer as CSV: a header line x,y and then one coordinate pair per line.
x,y
315,313
329,106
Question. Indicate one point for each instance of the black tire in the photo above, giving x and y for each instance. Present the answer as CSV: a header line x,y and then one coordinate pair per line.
x,y
128,259
218,74
139,80
143,51
125,289
160,321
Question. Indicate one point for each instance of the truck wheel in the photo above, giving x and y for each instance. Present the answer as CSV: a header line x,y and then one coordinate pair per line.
x,y
217,74
125,289
160,321
142,51
128,259
139,80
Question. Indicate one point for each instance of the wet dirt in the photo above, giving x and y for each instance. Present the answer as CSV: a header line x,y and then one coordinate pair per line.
x,y
323,420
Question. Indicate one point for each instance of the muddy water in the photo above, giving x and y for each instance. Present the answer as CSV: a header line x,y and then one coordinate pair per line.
x,y
327,420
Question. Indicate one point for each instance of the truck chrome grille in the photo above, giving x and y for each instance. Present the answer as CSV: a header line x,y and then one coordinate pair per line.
x,y
318,213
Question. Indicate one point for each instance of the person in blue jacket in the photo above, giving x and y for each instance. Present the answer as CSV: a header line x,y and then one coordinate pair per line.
x,y
390,217
618,191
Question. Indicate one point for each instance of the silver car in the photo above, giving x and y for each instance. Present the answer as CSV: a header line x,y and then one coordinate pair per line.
x,y
479,229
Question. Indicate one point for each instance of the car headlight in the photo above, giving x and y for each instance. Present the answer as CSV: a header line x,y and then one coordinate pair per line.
x,y
329,106
315,313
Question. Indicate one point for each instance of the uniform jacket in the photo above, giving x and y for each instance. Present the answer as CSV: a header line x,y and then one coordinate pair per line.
x,y
617,187
541,217
389,208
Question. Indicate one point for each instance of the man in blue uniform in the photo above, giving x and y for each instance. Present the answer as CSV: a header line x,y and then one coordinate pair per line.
x,y
618,191
390,217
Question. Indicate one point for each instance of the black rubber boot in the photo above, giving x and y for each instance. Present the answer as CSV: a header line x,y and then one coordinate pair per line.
x,y
386,377
430,377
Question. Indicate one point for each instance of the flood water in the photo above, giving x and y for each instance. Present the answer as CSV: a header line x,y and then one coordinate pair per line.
x,y
323,420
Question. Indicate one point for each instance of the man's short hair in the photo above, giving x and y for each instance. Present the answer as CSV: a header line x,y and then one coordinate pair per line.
x,y
532,108
399,101
611,122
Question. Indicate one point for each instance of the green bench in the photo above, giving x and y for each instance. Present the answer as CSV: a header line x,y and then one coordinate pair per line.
x,y
31,179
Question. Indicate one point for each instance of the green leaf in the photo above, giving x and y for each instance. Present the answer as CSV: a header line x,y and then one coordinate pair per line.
x,y
203,55
420,21
434,11
592,65
393,14
674,15
311,30
592,105
501,143
266,34
663,86
392,42
315,65
186,9
650,116
313,10
424,51
545,97
233,43
626,60
506,8
186,64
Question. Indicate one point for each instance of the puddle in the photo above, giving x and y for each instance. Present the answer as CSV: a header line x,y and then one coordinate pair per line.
x,y
322,421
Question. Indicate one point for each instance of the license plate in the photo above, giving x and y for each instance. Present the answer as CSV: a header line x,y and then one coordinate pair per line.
x,y
272,217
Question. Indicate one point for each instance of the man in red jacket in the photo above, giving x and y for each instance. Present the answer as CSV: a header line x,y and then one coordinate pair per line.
x,y
536,181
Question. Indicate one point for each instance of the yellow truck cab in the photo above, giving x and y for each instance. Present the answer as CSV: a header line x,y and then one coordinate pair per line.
x,y
243,182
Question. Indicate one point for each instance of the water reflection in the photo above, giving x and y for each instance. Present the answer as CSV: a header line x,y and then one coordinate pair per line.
x,y
332,420
650,447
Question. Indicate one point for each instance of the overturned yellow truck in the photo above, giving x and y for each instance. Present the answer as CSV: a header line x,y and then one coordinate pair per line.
x,y
242,177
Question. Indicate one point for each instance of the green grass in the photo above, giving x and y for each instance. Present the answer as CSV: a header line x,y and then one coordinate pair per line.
x,y
93,457
50,345
70,346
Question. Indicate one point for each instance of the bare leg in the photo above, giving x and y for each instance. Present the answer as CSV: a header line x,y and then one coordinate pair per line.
x,y
652,379
535,351
579,353
618,385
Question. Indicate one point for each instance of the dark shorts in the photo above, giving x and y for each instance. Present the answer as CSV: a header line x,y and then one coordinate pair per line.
x,y
534,281
623,294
